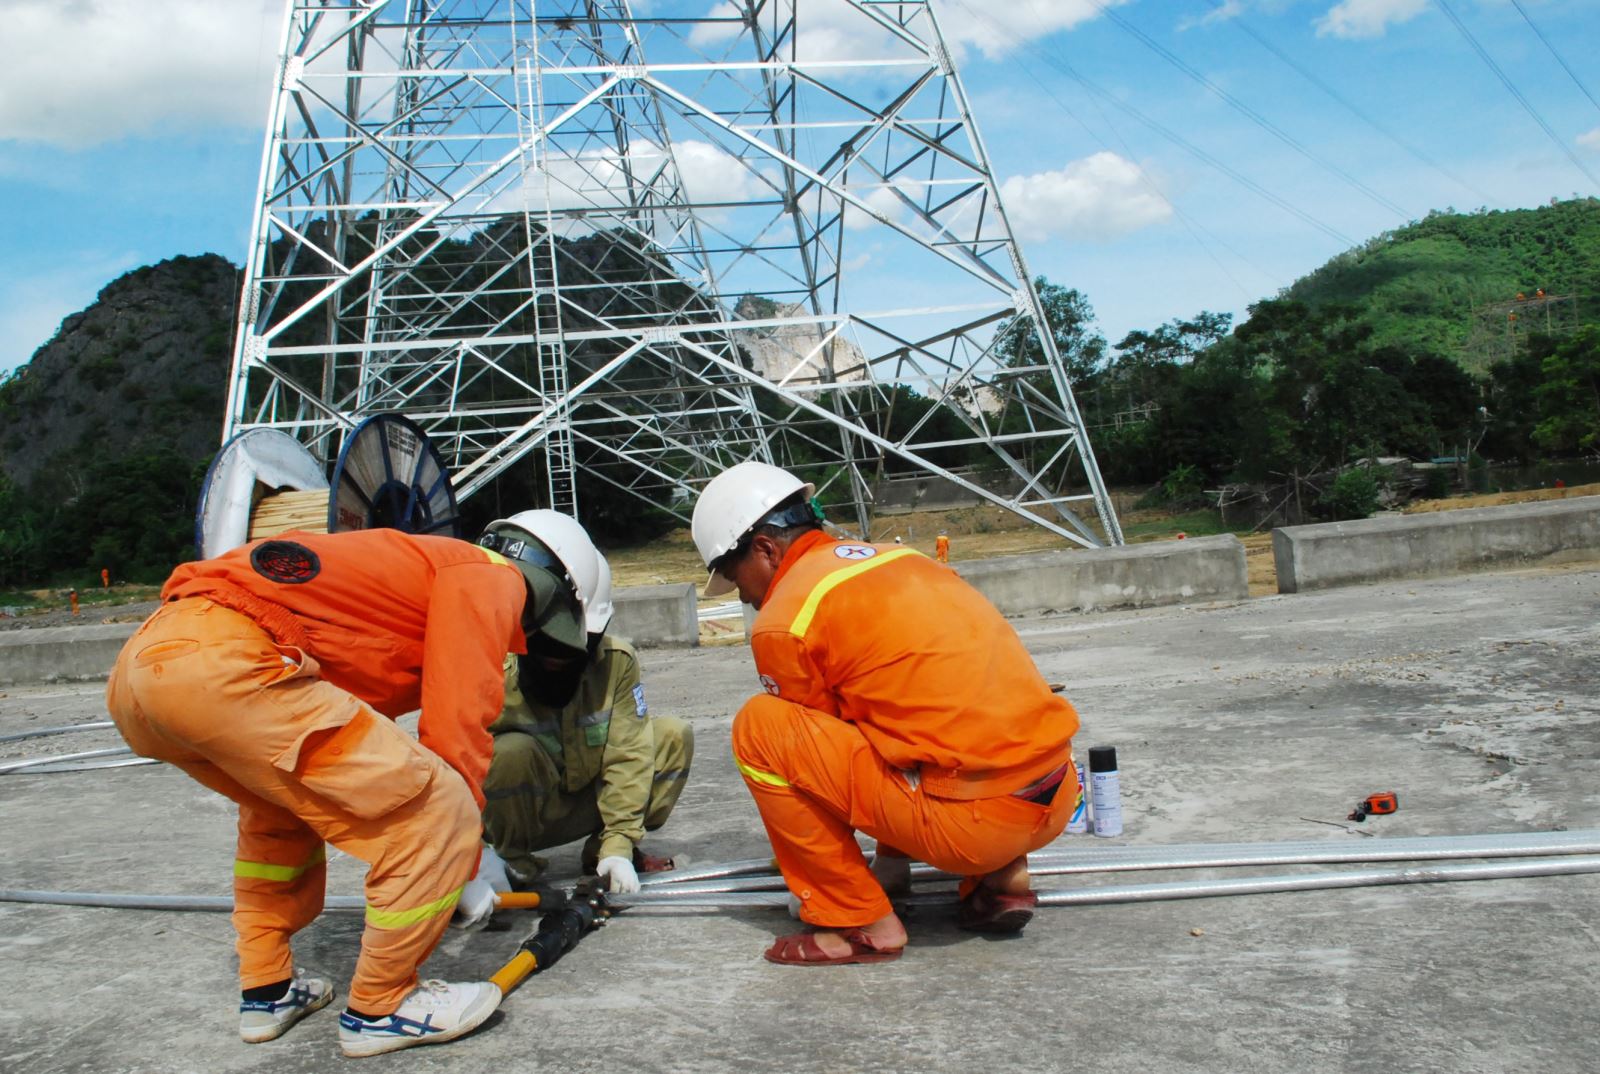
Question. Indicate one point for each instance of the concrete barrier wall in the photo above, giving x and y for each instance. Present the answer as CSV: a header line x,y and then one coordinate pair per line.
x,y
646,615
1134,576
657,615
1443,542
61,654
1168,572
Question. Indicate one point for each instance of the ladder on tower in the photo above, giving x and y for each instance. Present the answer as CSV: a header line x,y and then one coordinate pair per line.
x,y
560,467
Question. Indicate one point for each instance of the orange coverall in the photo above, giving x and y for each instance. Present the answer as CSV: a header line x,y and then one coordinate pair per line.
x,y
267,675
899,703
941,548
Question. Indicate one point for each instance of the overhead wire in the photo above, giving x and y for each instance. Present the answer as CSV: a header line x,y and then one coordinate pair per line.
x,y
1511,88
1576,81
1245,110
1350,106
1105,95
1194,227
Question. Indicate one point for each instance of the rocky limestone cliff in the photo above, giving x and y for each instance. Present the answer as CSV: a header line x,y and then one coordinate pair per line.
x,y
776,353
145,366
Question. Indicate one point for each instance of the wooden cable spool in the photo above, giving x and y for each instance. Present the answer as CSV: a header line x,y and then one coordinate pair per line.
x,y
291,509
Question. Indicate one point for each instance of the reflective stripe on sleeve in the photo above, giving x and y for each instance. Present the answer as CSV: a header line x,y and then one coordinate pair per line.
x,y
261,870
758,776
802,620
399,919
495,557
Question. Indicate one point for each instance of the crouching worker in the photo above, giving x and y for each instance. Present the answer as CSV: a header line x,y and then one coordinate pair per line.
x,y
577,754
898,703
271,674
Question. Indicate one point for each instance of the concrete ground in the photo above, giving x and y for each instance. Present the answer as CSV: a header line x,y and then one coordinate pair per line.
x,y
1475,699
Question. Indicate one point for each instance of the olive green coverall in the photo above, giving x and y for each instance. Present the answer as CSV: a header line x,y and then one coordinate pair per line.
x,y
601,767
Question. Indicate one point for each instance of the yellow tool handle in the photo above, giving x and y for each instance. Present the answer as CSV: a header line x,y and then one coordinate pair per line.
x,y
514,972
517,900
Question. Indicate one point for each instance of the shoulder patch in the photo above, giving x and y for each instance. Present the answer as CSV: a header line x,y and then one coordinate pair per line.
x,y
640,709
854,551
288,562
770,685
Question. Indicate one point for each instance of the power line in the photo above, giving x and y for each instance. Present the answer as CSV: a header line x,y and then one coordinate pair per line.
x,y
1249,113
1172,136
1512,89
1194,227
1350,106
1540,34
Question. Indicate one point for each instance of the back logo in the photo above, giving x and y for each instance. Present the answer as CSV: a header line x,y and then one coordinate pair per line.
x,y
285,561
854,551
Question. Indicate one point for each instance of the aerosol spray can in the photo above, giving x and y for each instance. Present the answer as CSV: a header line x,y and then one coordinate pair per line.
x,y
1105,789
1078,823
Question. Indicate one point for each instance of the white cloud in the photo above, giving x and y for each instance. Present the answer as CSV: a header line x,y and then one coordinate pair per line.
x,y
1367,18
1228,9
596,178
79,72
711,173
833,29
996,29
1098,197
1590,140
882,200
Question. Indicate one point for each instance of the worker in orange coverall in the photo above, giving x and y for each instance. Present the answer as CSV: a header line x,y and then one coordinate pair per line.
x,y
272,673
898,703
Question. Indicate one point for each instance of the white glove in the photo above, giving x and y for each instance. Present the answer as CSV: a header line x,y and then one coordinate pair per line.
x,y
477,901
492,867
619,872
475,906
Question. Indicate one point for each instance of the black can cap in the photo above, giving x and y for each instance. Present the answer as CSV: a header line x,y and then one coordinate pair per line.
x,y
1102,758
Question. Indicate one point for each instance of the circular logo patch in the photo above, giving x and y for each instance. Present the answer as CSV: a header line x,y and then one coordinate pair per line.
x,y
285,561
770,685
854,551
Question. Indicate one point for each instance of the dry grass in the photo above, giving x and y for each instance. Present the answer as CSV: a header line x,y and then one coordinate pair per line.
x,y
1495,499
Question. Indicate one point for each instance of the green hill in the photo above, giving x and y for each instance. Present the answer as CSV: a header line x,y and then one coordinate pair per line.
x,y
1448,284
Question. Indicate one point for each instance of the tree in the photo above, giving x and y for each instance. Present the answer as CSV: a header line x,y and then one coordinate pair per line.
x,y
1071,318
1569,396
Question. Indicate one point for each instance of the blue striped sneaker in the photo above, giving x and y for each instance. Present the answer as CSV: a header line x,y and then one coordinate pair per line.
x,y
268,1019
431,1013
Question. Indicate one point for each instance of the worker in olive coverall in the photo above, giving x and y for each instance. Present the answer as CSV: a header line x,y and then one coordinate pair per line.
x,y
577,754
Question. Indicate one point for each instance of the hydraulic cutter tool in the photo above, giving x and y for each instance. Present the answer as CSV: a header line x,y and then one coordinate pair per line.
x,y
567,920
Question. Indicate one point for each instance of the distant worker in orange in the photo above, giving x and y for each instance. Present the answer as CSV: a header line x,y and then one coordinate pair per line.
x,y
898,703
271,674
105,578
941,547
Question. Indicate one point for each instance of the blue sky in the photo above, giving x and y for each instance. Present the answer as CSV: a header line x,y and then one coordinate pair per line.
x,y
1162,156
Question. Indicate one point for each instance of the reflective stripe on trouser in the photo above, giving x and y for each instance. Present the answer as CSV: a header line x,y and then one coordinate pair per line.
x,y
526,810
817,781
203,688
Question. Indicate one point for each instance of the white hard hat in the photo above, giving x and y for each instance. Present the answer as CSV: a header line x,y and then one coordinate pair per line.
x,y
599,612
731,504
569,543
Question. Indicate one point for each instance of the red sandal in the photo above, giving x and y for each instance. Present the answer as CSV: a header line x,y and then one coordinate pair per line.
x,y
993,911
802,949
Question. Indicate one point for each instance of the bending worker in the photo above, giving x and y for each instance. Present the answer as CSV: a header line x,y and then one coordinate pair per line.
x,y
577,754
898,703
271,674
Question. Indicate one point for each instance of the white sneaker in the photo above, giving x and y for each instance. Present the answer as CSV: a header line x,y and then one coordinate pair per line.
x,y
432,1013
268,1019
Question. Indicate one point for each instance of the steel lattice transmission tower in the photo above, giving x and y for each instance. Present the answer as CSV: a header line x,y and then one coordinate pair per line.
x,y
644,246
